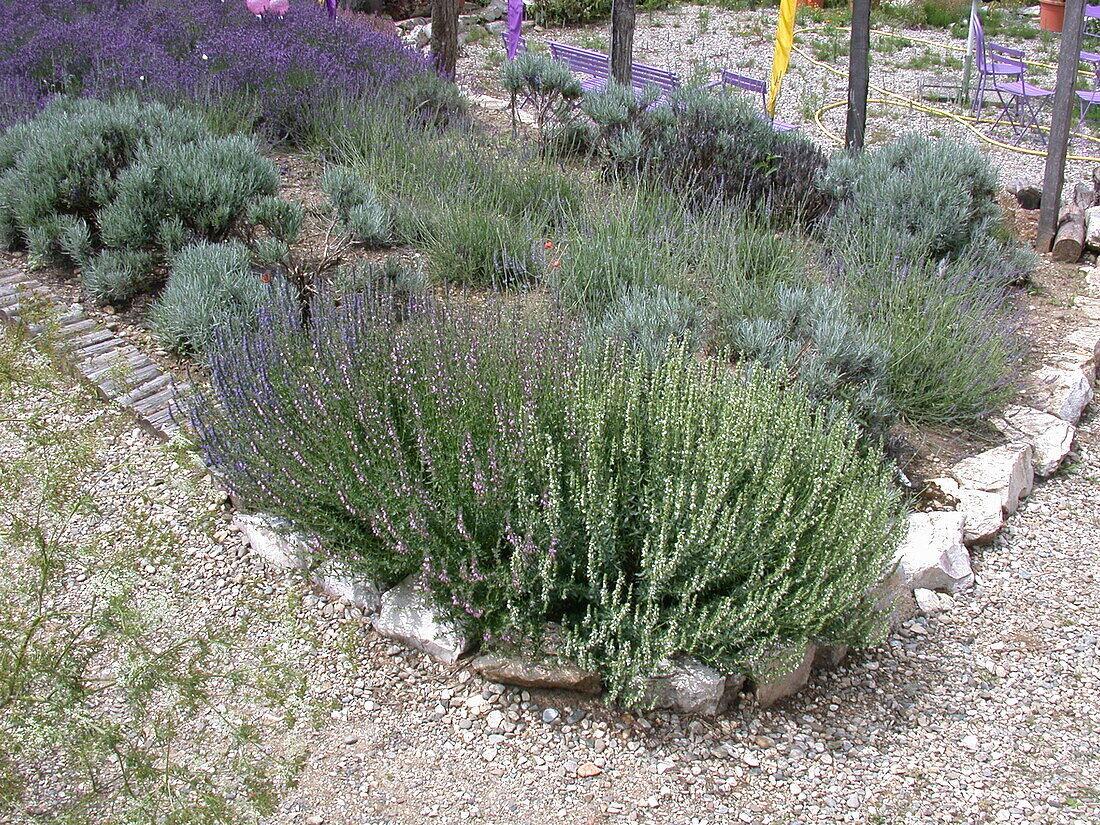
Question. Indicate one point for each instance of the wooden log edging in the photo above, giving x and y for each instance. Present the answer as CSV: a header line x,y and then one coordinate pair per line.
x,y
116,369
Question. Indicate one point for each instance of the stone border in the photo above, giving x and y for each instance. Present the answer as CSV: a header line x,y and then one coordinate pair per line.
x,y
115,368
930,566
987,488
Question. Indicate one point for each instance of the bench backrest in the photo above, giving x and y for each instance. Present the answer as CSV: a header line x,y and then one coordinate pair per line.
x,y
584,61
642,75
749,84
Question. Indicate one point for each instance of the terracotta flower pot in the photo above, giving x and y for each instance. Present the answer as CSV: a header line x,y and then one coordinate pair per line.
x,y
1051,15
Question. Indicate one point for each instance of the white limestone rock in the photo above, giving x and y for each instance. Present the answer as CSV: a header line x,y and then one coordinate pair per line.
x,y
931,603
1089,307
1005,470
932,555
687,686
892,596
408,616
340,581
983,511
1092,282
1080,349
275,540
783,675
1049,436
1059,391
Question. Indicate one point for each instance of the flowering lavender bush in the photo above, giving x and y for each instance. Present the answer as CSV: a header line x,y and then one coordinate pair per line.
x,y
647,509
292,75
918,242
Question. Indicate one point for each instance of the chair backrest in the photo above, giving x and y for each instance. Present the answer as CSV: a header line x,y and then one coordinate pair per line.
x,y
749,84
1092,13
979,42
1007,56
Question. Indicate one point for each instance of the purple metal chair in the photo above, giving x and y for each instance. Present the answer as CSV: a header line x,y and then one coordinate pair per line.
x,y
1093,58
1021,102
1088,97
990,69
750,84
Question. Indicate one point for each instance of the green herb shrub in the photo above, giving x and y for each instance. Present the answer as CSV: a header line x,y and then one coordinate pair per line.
x,y
919,246
650,321
711,146
648,508
206,185
723,519
117,275
544,84
954,339
209,285
67,160
645,241
480,249
437,171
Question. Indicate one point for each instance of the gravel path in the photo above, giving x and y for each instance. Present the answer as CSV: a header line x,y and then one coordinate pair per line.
x,y
987,713
696,41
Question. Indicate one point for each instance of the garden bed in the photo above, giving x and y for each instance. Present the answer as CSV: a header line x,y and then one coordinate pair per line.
x,y
458,356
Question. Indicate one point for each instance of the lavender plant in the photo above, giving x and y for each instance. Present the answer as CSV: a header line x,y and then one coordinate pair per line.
x,y
118,189
296,77
648,510
710,146
954,340
209,285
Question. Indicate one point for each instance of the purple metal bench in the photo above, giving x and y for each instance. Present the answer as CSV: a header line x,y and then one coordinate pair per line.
x,y
750,84
597,67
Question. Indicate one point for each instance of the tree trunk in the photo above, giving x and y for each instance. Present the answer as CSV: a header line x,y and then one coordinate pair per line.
x,y
445,36
623,13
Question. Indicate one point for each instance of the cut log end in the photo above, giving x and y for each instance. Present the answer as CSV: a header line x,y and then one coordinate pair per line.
x,y
1069,242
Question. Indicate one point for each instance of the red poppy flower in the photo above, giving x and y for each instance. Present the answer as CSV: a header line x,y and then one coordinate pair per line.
x,y
266,277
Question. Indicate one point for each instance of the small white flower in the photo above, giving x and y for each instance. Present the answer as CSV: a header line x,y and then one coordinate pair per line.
x,y
204,57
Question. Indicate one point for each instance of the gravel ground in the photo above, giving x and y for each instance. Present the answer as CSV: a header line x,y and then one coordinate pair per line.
x,y
696,41
988,712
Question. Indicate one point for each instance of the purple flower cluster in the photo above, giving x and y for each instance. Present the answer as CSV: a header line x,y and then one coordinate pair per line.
x,y
413,439
287,70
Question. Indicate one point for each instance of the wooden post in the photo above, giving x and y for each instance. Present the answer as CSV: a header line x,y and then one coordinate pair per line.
x,y
858,75
1064,96
623,13
968,64
445,36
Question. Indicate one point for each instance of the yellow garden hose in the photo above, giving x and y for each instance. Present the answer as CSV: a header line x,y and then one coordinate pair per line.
x,y
896,99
